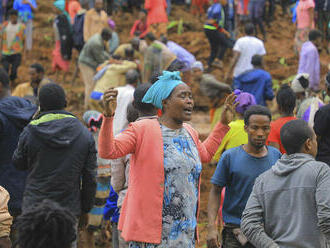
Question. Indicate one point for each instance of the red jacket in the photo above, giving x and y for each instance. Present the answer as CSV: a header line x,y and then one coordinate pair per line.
x,y
141,214
140,27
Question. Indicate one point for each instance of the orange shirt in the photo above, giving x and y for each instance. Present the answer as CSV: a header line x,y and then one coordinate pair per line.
x,y
274,135
73,9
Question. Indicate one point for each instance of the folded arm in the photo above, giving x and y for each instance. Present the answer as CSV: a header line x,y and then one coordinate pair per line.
x,y
322,198
252,223
20,157
88,185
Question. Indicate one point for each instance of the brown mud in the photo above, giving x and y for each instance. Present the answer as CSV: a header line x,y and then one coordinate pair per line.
x,y
279,45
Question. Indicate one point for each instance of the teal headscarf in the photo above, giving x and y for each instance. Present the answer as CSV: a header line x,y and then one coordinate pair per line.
x,y
161,90
60,4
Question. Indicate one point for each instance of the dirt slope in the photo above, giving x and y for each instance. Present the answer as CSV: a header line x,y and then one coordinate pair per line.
x,y
279,45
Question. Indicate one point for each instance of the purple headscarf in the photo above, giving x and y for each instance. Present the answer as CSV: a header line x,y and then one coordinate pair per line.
x,y
111,24
245,101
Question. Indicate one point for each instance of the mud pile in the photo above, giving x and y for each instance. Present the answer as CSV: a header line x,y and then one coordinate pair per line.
x,y
280,61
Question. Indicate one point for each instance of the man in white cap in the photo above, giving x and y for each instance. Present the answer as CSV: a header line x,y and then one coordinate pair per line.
x,y
197,72
307,104
211,93
299,86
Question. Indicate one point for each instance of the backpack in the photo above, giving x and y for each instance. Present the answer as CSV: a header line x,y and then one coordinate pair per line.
x,y
64,29
78,31
216,12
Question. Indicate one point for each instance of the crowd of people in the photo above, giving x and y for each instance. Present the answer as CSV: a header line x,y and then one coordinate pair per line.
x,y
133,162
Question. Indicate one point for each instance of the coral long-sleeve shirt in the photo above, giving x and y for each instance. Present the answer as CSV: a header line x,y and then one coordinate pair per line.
x,y
156,11
141,215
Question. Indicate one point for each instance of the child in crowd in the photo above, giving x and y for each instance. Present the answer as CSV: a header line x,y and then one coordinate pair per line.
x,y
140,26
93,121
63,40
111,213
46,225
13,39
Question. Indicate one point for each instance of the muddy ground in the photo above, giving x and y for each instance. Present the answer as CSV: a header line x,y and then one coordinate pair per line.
x,y
279,45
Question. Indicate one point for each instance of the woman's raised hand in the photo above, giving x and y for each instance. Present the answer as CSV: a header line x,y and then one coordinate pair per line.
x,y
229,109
110,102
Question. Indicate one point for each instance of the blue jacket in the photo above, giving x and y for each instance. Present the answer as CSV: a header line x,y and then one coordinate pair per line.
x,y
15,114
110,209
258,82
216,12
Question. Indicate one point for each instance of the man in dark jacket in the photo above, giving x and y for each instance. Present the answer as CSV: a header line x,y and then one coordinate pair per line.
x,y
15,113
59,154
321,128
257,82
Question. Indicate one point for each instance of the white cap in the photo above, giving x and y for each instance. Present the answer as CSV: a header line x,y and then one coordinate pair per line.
x,y
296,85
198,65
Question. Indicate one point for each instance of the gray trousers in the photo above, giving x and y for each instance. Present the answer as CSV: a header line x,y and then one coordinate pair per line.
x,y
75,243
115,235
28,34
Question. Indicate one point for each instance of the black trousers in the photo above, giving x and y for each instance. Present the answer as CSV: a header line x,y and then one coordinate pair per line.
x,y
270,12
11,63
285,5
219,42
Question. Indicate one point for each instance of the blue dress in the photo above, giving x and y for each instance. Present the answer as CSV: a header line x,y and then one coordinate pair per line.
x,y
182,169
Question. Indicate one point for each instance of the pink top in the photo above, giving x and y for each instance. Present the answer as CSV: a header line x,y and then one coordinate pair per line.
x,y
242,7
303,16
141,214
141,27
156,11
73,9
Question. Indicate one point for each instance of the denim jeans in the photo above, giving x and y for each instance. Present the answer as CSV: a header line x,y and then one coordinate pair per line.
x,y
169,7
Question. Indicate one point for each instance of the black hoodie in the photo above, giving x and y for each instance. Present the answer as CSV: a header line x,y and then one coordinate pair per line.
x,y
15,114
60,155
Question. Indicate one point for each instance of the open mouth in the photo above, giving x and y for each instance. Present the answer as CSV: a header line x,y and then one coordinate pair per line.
x,y
188,111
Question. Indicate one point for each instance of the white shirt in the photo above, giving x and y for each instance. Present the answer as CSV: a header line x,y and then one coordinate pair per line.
x,y
124,98
11,31
248,46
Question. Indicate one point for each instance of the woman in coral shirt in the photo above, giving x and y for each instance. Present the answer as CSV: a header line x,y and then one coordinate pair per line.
x,y
157,16
161,205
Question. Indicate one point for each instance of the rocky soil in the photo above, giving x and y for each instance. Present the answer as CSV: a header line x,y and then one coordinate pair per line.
x,y
280,61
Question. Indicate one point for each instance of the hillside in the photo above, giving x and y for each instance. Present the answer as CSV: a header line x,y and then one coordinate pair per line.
x,y
281,62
